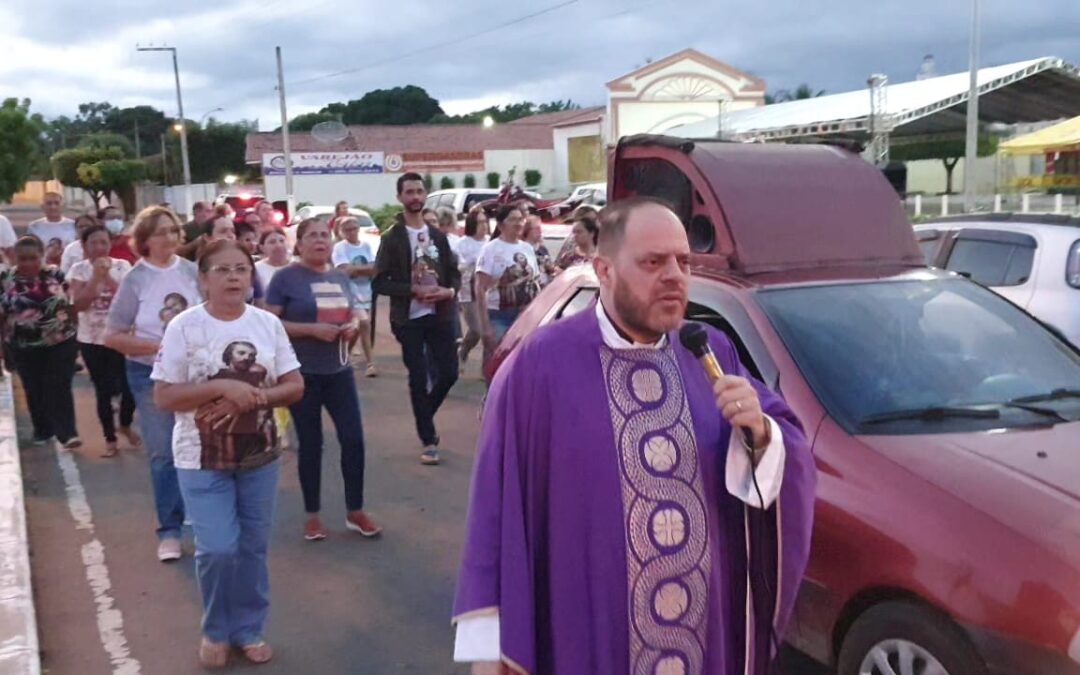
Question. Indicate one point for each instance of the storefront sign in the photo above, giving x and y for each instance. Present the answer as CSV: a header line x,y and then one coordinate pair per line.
x,y
436,162
1047,182
324,163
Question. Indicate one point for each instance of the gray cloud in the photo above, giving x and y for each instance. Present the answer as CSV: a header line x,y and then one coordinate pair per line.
x,y
61,53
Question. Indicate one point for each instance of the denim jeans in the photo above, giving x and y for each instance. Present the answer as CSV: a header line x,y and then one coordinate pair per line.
x,y
156,426
501,320
427,343
337,393
231,513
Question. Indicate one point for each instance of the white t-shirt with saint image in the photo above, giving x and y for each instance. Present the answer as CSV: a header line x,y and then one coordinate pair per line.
x,y
253,349
514,269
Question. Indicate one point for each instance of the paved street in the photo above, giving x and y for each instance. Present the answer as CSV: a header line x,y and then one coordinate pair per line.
x,y
344,605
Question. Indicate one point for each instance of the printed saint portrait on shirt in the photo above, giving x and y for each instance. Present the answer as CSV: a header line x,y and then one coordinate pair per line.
x,y
424,266
173,305
244,440
517,285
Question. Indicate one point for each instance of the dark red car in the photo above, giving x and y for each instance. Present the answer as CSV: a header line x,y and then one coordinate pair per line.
x,y
945,421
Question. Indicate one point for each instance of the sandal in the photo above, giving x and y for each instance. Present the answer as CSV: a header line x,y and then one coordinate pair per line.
x,y
258,652
213,654
111,449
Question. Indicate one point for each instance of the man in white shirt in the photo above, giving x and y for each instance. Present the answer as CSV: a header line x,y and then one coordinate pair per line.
x,y
54,230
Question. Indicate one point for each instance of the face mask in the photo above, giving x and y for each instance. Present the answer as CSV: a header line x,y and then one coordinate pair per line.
x,y
114,226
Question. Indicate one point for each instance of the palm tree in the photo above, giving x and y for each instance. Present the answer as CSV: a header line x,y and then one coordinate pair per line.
x,y
803,91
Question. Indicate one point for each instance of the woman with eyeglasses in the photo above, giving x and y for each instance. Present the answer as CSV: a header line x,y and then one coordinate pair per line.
x,y
316,305
222,367
155,291
93,283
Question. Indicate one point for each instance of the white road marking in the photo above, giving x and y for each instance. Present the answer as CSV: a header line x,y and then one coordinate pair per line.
x,y
110,619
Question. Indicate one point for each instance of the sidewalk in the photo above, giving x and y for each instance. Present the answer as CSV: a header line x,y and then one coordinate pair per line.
x,y
18,621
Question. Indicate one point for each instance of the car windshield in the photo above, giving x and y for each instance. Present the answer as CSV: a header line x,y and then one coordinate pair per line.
x,y
919,356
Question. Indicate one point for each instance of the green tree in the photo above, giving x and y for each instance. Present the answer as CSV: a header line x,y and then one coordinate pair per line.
x,y
802,92
507,113
532,177
217,150
493,178
100,170
308,120
19,146
469,181
401,105
948,151
446,183
428,182
150,123
107,140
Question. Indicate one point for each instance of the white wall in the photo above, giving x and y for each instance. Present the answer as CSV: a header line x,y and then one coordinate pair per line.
x,y
377,189
992,174
503,160
560,179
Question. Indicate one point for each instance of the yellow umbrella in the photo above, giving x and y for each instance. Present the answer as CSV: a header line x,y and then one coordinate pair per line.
x,y
1063,137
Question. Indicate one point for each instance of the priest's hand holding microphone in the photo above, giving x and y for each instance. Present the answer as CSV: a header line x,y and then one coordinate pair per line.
x,y
736,398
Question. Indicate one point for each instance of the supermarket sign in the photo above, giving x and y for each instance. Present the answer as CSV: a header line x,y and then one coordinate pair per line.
x,y
324,163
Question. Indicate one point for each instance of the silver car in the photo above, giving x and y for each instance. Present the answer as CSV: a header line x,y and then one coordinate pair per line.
x,y
1031,259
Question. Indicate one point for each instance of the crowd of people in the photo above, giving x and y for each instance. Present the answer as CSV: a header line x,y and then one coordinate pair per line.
x,y
224,331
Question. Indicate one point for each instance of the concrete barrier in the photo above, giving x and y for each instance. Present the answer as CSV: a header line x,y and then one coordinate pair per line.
x,y
18,623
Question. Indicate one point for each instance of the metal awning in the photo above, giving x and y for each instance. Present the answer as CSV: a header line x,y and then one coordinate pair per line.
x,y
1064,137
1029,91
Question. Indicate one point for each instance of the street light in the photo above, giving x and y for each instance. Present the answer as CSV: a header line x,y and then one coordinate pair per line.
x,y
489,121
177,127
183,128
230,180
208,113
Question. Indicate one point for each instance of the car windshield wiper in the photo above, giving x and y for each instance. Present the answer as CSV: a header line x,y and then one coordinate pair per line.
x,y
931,414
1055,395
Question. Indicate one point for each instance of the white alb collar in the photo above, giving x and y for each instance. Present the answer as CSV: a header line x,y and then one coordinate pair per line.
x,y
615,341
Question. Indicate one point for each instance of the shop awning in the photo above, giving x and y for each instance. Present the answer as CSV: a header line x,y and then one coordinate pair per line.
x,y
1064,137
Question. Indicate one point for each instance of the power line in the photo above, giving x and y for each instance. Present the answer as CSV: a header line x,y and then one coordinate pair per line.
x,y
448,43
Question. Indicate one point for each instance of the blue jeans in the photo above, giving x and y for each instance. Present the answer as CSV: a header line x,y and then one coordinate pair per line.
x,y
501,320
336,393
156,426
231,513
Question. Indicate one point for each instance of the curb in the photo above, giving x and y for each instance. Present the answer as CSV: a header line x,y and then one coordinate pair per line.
x,y
18,622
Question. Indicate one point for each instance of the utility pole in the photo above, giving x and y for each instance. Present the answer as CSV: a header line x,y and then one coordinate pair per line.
x,y
183,126
971,153
285,135
164,164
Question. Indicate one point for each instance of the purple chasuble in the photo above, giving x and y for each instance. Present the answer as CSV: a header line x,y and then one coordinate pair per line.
x,y
600,528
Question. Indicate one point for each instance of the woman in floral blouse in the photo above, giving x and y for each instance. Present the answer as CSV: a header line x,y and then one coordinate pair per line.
x,y
39,329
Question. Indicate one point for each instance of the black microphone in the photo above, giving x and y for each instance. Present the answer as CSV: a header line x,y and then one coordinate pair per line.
x,y
696,340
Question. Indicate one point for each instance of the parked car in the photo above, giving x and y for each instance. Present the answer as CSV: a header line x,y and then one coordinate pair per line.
x,y
590,193
944,421
1031,259
369,231
460,200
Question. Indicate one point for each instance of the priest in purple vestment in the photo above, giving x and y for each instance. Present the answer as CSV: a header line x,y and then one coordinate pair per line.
x,y
615,524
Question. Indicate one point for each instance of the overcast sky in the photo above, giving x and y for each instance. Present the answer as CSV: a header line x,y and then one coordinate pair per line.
x,y
62,53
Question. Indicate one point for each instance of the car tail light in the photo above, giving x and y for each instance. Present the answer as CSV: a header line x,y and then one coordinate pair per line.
x,y
1072,265
245,196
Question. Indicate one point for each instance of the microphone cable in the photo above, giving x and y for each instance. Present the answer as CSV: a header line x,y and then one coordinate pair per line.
x,y
759,545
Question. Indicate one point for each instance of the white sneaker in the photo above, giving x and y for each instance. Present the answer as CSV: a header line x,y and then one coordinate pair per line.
x,y
169,550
